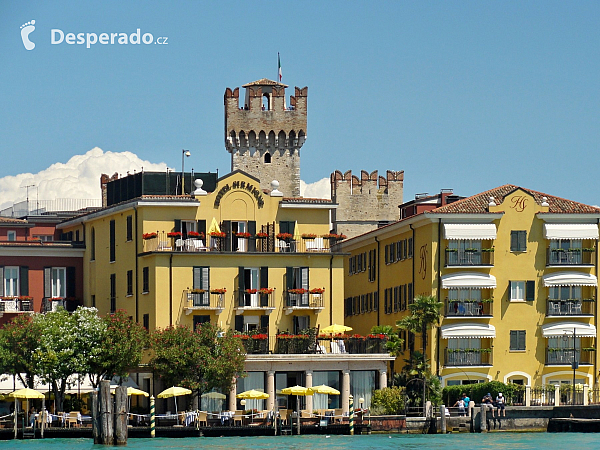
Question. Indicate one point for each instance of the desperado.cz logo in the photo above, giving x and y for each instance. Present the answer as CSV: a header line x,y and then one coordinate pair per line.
x,y
58,37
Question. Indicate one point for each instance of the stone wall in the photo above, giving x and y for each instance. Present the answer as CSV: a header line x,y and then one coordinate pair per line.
x,y
365,203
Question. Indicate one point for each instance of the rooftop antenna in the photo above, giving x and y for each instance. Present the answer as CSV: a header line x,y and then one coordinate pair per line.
x,y
27,190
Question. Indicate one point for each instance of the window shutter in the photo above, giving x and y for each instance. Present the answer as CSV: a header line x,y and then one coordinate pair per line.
x,y
376,301
521,340
1,280
197,283
241,281
177,225
201,227
304,275
410,293
514,241
264,322
284,227
226,228
522,240
510,283
264,277
23,280
47,282
70,291
205,278
252,240
112,241
239,323
530,292
513,340
289,277
129,228
385,301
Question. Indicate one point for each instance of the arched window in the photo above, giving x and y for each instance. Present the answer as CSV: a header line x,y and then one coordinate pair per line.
x,y
267,158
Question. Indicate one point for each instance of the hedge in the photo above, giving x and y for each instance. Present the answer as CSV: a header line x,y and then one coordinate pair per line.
x,y
450,394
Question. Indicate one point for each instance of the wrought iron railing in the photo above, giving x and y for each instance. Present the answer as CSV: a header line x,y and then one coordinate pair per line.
x,y
253,298
562,257
304,300
204,299
469,257
468,308
571,307
543,395
564,356
15,305
468,357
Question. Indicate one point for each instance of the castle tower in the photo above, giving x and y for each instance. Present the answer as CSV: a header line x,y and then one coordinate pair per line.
x,y
264,135
365,203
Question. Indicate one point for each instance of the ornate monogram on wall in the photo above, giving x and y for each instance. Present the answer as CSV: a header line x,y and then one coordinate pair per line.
x,y
423,257
519,203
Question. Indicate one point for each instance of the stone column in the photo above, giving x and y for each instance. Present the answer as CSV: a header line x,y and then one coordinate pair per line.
x,y
309,384
557,395
271,390
382,379
232,399
528,395
443,418
482,418
345,391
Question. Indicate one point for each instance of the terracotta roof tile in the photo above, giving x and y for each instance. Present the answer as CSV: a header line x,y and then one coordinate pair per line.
x,y
264,82
478,204
11,220
306,200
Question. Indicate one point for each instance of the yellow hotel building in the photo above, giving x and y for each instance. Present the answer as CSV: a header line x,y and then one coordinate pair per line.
x,y
159,257
515,269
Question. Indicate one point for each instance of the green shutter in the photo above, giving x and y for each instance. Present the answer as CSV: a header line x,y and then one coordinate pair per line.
x,y
201,226
226,228
197,282
521,340
530,291
1,280
239,323
514,241
70,290
264,322
241,281
252,240
112,241
264,277
177,225
522,241
47,282
23,280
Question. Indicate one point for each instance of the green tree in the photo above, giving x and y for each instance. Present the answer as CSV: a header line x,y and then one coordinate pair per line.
x,y
416,377
68,342
200,360
388,400
394,345
19,339
123,342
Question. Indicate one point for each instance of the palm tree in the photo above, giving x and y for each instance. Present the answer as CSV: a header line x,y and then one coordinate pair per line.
x,y
393,345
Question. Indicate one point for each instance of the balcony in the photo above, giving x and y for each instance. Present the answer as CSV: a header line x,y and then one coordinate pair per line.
x,y
13,305
166,242
469,257
255,299
570,257
199,299
571,307
468,308
302,299
51,304
468,357
564,356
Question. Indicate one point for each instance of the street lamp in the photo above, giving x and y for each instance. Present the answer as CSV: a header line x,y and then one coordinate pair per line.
x,y
184,153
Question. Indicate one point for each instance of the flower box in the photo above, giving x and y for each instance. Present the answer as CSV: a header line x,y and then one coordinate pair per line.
x,y
317,291
174,234
284,236
198,291
218,234
250,291
243,235
309,236
261,235
195,235
488,250
147,236
218,291
265,291
297,291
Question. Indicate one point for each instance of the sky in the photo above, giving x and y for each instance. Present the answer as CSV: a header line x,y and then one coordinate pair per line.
x,y
462,95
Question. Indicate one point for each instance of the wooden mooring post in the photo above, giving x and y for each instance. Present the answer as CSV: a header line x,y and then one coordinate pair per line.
x,y
95,418
105,414
121,415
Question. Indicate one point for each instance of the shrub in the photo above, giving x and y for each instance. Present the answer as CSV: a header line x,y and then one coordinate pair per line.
x,y
477,391
388,400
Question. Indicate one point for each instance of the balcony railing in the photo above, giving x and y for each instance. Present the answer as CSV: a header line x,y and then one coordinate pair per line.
x,y
247,299
303,301
468,357
572,307
160,241
470,308
15,305
572,257
203,300
469,257
564,356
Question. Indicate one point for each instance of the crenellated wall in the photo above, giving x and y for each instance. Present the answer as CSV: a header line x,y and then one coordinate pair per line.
x,y
367,202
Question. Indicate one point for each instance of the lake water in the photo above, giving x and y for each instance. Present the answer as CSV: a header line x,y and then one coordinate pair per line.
x,y
462,441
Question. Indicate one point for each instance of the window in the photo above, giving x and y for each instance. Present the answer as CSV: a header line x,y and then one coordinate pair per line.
x,y
43,237
517,339
93,245
112,241
129,228
11,281
130,282
113,292
297,278
93,301
410,247
11,235
518,241
145,280
199,320
522,290
267,158
146,321
564,293
59,282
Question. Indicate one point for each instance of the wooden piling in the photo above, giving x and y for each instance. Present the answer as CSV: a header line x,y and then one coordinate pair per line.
x,y
106,414
482,418
95,418
121,415
43,418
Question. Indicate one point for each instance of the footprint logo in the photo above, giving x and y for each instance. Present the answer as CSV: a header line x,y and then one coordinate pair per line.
x,y
26,30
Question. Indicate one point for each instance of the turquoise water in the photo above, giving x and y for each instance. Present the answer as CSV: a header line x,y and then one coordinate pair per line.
x,y
463,441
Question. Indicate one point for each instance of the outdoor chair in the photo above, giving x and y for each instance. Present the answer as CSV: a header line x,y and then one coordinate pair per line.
x,y
304,414
283,245
238,417
199,245
283,414
338,413
201,418
73,418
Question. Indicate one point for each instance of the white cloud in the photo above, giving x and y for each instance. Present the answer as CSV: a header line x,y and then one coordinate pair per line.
x,y
318,189
77,178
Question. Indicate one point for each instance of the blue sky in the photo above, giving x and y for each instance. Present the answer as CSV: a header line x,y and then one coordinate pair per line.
x,y
462,95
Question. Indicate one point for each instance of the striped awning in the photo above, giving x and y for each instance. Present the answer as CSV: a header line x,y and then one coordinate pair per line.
x,y
468,280
468,330
569,279
570,231
479,231
566,328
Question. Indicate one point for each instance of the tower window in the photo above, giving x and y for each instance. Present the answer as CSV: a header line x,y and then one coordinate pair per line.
x,y
267,158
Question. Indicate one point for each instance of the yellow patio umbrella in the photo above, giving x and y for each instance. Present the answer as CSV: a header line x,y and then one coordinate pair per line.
x,y
336,329
26,393
297,235
297,390
324,389
253,394
214,396
174,391
131,391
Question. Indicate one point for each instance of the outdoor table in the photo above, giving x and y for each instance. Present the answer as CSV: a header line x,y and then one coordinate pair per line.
x,y
226,416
